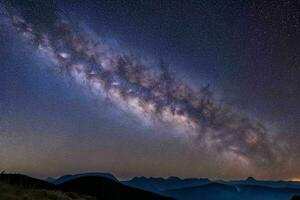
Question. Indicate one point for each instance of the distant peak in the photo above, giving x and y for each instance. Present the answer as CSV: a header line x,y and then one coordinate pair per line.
x,y
50,180
174,178
139,178
250,178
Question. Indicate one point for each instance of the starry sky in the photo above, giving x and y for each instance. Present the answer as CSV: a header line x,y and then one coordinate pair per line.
x,y
150,88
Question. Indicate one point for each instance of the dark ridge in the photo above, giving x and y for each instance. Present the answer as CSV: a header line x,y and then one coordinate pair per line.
x,y
100,187
69,177
250,179
25,181
104,188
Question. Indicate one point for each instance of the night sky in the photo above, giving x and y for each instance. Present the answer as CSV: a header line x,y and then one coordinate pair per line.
x,y
151,88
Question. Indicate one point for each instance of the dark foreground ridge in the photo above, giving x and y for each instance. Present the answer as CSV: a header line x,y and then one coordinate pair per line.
x,y
99,187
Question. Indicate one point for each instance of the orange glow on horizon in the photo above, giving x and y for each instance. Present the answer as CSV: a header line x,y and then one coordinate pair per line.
x,y
295,179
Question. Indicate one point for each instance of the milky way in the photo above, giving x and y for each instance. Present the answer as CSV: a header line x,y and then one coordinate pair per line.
x,y
150,92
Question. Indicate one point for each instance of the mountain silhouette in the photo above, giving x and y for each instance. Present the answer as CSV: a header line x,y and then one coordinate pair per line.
x,y
100,187
269,183
104,188
161,184
26,181
250,179
190,189
69,177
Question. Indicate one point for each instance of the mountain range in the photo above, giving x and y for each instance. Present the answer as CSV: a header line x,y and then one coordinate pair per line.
x,y
191,189
106,186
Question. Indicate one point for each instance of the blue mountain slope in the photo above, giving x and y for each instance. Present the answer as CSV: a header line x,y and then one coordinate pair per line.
x,y
69,177
194,189
218,191
210,191
161,184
